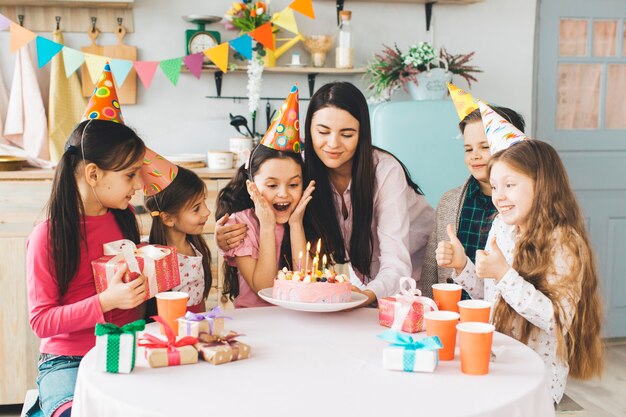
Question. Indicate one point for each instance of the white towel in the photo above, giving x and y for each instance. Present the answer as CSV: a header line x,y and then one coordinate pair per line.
x,y
4,107
26,125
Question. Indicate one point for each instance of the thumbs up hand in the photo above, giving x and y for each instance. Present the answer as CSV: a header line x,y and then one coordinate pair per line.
x,y
491,264
451,254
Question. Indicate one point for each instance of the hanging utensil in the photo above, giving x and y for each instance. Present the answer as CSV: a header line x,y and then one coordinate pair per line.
x,y
239,121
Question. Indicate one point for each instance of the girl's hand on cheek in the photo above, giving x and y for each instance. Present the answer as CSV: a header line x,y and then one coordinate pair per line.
x,y
298,212
262,208
491,264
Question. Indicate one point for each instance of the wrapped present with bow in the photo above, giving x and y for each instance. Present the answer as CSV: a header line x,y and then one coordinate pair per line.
x,y
407,354
205,326
223,349
405,310
169,352
116,346
159,264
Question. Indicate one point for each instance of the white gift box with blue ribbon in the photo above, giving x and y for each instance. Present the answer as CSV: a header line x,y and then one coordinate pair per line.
x,y
409,354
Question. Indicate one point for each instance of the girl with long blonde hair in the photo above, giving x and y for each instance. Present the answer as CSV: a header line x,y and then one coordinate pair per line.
x,y
538,267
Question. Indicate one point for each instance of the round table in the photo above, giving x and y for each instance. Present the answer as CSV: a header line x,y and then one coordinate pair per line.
x,y
315,364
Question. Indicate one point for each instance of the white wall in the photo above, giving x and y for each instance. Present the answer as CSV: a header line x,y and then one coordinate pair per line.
x,y
180,119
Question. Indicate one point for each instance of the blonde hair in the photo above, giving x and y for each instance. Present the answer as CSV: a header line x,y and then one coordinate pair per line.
x,y
555,215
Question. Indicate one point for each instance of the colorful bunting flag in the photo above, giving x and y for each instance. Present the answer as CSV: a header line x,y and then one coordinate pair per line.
x,y
243,45
264,35
146,70
46,50
20,36
95,63
304,7
194,63
171,68
72,60
120,69
286,20
219,55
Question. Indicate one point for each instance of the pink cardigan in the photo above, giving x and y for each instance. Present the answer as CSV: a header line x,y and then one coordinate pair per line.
x,y
65,323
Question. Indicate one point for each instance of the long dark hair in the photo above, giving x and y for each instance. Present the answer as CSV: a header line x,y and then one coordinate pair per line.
x,y
234,197
112,147
183,190
322,221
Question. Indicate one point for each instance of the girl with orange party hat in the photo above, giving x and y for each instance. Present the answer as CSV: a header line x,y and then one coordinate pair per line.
x,y
94,181
267,197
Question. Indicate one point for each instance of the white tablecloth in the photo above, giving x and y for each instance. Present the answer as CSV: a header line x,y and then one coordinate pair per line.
x,y
315,364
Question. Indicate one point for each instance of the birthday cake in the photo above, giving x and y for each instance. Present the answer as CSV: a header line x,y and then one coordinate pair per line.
x,y
318,287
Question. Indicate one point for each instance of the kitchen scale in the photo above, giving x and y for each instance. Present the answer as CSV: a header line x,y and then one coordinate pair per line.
x,y
200,39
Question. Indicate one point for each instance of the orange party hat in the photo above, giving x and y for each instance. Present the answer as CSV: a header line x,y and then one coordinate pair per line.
x,y
500,133
463,101
156,173
104,104
284,131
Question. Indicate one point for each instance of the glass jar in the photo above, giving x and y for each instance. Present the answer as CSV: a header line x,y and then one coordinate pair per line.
x,y
344,52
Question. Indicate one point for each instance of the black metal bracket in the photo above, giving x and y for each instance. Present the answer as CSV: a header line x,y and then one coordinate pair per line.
x,y
339,8
311,78
218,82
429,13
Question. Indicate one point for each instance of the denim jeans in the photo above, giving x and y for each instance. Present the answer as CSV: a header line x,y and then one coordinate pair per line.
x,y
56,382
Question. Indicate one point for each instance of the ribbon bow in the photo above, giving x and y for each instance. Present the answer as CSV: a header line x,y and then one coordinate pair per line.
x,y
406,297
126,250
110,328
210,316
410,346
227,340
113,341
173,355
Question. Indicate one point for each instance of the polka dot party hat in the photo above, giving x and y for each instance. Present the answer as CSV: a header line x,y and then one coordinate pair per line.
x,y
463,101
104,104
284,131
156,173
500,133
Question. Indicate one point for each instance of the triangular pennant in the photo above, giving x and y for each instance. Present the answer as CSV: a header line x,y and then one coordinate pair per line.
x,y
194,63
463,101
243,45
283,133
500,133
120,69
146,70
171,68
219,55
72,60
286,20
95,63
304,7
4,22
20,36
264,35
46,50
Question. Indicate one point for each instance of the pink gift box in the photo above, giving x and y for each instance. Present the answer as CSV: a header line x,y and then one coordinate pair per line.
x,y
414,321
158,263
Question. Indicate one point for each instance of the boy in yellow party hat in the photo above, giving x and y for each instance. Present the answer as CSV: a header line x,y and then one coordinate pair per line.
x,y
267,196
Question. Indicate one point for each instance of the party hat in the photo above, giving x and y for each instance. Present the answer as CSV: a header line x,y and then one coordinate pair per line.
x,y
156,173
284,131
104,104
463,101
500,133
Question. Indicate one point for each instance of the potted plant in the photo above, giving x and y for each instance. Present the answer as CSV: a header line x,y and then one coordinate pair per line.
x,y
421,71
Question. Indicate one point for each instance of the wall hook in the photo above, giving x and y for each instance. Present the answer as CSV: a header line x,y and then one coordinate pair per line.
x,y
20,18
58,19
94,19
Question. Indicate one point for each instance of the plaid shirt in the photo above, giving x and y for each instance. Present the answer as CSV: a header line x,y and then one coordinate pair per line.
x,y
477,214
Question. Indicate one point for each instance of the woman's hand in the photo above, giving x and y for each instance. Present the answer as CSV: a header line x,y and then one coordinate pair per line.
x,y
230,236
298,212
451,254
262,208
371,297
123,295
491,264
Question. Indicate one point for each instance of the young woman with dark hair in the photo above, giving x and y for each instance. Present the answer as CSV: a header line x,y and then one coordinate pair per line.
x,y
89,206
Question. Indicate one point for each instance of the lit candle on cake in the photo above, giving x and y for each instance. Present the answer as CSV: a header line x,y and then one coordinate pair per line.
x,y
315,261
306,261
299,261
319,246
323,263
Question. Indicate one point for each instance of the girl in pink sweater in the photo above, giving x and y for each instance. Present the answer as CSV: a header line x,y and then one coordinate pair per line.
x,y
89,206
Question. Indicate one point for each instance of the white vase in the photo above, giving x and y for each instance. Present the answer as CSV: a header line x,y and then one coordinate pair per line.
x,y
431,85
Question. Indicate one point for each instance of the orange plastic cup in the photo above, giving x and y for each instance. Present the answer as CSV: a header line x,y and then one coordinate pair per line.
x,y
475,341
443,324
447,295
474,310
171,305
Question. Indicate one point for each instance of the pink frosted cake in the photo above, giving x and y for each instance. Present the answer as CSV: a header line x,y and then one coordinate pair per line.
x,y
326,287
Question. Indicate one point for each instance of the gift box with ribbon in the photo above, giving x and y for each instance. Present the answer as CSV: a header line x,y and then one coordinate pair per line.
x,y
405,311
205,326
170,352
408,354
158,263
116,346
223,349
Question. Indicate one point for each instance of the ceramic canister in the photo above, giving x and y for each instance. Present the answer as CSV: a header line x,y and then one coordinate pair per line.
x,y
241,147
220,159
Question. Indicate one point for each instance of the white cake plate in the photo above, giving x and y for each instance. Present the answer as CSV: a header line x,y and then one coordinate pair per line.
x,y
356,299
